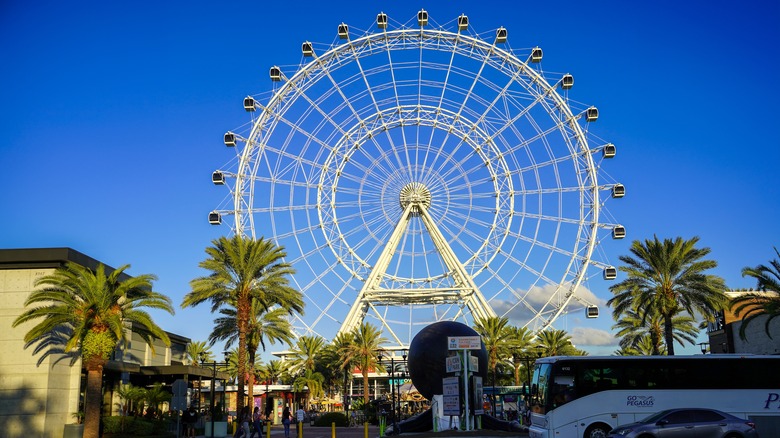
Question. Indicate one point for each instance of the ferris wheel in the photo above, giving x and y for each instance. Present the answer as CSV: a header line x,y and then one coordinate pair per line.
x,y
418,172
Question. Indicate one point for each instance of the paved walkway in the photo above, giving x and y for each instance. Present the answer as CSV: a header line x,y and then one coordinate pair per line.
x,y
373,432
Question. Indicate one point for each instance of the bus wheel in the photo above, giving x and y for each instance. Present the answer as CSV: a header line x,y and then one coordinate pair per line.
x,y
597,430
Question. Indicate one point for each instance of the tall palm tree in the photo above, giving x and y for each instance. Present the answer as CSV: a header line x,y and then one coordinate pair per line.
x,y
494,334
264,325
306,352
644,346
555,343
668,277
243,270
765,302
344,361
519,340
312,380
89,312
366,343
632,328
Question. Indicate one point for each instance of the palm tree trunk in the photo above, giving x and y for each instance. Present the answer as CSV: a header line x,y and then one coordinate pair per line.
x,y
251,384
242,315
365,387
94,396
669,334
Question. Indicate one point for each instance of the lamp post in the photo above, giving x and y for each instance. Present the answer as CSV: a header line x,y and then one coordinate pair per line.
x,y
703,346
398,389
379,357
213,378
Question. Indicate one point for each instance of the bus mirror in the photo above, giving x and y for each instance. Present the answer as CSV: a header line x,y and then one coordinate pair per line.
x,y
534,389
525,389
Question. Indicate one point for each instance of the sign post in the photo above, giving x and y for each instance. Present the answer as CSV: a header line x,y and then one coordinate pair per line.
x,y
464,344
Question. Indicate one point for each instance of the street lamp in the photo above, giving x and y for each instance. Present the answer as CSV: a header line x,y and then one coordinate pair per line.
x,y
379,358
703,346
213,378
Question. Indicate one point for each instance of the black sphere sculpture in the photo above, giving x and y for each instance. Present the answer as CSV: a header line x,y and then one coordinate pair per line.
x,y
428,353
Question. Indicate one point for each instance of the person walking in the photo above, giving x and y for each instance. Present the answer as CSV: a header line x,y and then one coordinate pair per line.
x,y
286,418
189,418
242,431
257,421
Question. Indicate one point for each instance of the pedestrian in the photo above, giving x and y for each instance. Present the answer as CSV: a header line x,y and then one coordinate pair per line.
x,y
189,418
257,420
242,430
286,417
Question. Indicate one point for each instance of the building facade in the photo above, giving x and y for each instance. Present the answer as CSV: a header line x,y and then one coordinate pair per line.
x,y
724,336
40,393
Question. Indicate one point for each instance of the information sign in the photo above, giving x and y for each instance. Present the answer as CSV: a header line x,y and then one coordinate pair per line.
x,y
453,364
451,405
478,409
464,342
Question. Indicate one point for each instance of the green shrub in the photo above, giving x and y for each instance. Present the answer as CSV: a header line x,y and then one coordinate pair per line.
x,y
134,426
326,419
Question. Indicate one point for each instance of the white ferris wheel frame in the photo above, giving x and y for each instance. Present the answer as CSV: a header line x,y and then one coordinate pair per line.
x,y
386,117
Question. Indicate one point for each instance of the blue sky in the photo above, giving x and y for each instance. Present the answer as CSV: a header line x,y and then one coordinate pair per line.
x,y
113,113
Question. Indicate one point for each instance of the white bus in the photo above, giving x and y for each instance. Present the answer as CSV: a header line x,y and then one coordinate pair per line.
x,y
585,397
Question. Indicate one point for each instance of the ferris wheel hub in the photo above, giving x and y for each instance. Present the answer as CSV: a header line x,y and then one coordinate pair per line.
x,y
415,193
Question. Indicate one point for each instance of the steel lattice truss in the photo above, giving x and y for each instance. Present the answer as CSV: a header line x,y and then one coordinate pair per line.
x,y
420,174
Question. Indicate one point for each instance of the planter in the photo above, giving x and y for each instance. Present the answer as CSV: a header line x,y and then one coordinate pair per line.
x,y
220,429
73,431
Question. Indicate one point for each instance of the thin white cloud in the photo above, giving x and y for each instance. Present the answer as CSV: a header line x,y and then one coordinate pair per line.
x,y
586,336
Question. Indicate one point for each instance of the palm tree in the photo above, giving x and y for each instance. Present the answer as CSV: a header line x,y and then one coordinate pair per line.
x,y
155,395
366,343
88,312
344,361
633,329
306,352
644,346
668,278
313,381
494,334
519,341
243,270
196,351
264,324
764,302
270,374
555,343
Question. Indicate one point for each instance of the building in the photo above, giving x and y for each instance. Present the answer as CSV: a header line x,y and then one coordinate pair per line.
x,y
39,394
724,337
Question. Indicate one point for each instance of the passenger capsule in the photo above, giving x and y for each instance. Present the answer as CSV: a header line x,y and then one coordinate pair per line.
x,y
275,73
610,273
567,81
307,49
230,139
463,22
536,54
609,150
592,312
618,191
592,114
422,17
215,218
618,232
500,35
249,103
343,31
381,20
218,178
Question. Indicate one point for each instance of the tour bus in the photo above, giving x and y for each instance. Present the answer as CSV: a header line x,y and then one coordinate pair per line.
x,y
586,397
